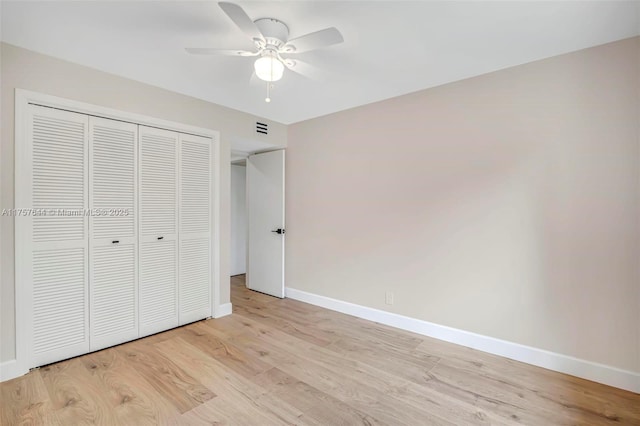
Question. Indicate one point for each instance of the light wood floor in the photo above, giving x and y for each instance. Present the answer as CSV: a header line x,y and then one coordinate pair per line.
x,y
285,362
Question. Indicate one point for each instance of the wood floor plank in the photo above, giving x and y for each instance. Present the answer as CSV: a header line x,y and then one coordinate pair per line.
x,y
382,377
76,397
323,408
225,351
508,401
283,362
229,411
367,391
184,391
215,376
504,394
303,330
407,364
347,326
134,401
549,391
25,401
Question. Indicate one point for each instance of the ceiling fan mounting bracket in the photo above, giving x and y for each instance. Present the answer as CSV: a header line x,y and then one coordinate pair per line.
x,y
275,32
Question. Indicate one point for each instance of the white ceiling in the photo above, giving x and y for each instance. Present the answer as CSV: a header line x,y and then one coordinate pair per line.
x,y
391,47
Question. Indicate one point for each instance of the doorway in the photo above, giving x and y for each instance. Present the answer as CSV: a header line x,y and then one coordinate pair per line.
x,y
257,221
238,197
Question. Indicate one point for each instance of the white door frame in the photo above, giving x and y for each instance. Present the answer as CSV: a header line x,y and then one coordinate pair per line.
x,y
23,98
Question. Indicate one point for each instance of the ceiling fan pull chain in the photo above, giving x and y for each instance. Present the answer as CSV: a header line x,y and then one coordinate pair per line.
x,y
268,98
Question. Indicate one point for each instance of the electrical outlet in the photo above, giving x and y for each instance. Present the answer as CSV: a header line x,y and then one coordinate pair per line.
x,y
388,298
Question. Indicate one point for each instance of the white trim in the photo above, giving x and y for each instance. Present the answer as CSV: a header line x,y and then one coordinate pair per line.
x,y
9,370
284,221
223,310
22,100
25,97
600,373
215,233
238,155
22,179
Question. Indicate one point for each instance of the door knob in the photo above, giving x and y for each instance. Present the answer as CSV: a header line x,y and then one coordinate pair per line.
x,y
279,231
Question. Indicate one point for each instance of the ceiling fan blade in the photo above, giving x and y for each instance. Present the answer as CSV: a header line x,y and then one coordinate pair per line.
x,y
312,41
241,19
304,69
219,52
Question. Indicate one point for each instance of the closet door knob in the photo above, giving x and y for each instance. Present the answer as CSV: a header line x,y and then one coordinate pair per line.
x,y
115,241
160,238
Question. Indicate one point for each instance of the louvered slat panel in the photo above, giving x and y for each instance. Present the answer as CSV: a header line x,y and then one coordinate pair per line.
x,y
113,153
195,186
58,228
158,168
158,253
195,225
56,258
194,276
158,286
58,175
114,280
58,321
113,292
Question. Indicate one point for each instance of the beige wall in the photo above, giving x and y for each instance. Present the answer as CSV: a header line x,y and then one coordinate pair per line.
x,y
506,204
28,70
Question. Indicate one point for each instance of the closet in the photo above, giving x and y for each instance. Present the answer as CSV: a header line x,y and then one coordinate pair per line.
x,y
118,244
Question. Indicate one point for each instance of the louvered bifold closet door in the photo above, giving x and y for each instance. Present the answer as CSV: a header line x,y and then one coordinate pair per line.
x,y
158,221
195,228
53,237
112,197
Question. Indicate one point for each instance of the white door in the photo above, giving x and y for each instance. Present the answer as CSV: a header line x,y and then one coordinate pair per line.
x,y
265,214
195,229
113,285
51,240
158,207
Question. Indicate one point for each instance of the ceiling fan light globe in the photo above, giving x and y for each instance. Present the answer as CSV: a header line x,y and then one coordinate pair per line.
x,y
269,68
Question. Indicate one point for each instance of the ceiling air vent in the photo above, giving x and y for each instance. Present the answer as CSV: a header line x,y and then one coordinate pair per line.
x,y
262,128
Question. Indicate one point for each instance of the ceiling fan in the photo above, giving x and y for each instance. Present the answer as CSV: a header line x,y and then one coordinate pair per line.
x,y
271,39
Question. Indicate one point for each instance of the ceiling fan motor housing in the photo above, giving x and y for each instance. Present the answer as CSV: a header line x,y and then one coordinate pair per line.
x,y
276,33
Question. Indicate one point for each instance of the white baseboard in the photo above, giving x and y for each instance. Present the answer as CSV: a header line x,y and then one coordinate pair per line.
x,y
10,370
223,310
600,373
